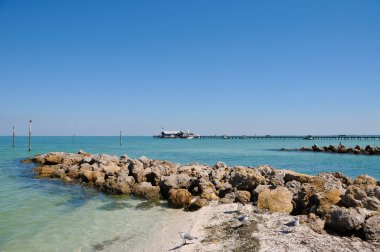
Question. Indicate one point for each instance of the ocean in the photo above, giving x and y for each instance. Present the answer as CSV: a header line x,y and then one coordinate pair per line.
x,y
49,215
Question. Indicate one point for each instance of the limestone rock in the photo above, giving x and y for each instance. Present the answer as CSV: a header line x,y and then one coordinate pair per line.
x,y
353,197
136,169
174,181
45,170
53,158
243,197
372,229
316,224
153,175
321,203
39,159
266,171
73,171
245,178
277,200
197,204
122,184
179,198
146,190
345,220
302,178
365,181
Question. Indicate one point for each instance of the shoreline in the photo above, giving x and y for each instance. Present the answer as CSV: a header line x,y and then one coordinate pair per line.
x,y
327,203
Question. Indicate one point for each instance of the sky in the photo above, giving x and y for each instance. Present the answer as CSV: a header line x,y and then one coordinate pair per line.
x,y
213,67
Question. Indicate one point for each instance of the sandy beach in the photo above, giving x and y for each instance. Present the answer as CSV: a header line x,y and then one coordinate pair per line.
x,y
217,229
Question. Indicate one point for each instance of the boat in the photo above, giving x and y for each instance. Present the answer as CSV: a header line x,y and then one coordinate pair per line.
x,y
177,134
308,137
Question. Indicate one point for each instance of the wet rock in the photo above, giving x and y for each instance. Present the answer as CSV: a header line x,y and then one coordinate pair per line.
x,y
88,176
100,181
372,229
277,200
39,159
45,170
146,190
316,148
179,198
59,173
123,184
345,220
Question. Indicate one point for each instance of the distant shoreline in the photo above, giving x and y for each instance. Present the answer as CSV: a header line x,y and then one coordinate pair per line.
x,y
340,149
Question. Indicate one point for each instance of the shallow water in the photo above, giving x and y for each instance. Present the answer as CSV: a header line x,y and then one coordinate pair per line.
x,y
48,215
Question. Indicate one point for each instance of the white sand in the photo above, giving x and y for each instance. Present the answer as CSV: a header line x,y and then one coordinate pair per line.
x,y
218,230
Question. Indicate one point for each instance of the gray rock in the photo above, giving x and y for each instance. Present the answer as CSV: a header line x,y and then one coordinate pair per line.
x,y
345,220
372,228
353,197
136,169
174,181
146,190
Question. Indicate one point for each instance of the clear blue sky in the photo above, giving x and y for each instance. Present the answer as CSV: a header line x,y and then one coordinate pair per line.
x,y
213,67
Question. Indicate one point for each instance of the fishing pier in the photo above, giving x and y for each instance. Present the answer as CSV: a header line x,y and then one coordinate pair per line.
x,y
268,137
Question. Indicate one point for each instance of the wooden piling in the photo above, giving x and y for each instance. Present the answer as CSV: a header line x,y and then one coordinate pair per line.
x,y
30,135
13,136
121,142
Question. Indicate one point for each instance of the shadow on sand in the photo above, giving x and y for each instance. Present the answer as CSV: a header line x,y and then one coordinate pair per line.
x,y
180,246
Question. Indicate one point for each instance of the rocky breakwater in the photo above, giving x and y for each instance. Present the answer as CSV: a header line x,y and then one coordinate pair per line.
x,y
328,202
358,150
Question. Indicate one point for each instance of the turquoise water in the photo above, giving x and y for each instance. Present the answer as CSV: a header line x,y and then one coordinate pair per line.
x,y
48,215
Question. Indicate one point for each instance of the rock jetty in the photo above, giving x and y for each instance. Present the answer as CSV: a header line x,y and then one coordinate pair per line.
x,y
328,202
358,150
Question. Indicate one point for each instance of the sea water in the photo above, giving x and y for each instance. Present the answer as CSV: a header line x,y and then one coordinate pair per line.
x,y
49,215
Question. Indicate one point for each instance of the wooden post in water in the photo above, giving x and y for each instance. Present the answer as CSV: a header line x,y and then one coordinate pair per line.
x,y
121,142
30,135
13,136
